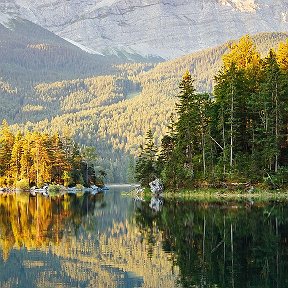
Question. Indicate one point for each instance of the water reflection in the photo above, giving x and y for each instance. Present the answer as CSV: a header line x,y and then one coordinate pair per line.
x,y
115,241
156,202
35,222
78,242
224,245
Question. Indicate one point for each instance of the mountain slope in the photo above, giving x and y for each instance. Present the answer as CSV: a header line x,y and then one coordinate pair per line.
x,y
167,28
30,54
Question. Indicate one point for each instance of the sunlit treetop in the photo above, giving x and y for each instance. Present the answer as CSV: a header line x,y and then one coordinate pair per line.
x,y
243,54
282,55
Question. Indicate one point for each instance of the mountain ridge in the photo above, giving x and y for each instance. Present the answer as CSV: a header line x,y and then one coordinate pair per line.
x,y
164,28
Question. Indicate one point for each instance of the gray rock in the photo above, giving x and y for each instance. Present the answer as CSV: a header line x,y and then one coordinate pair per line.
x,y
167,28
156,186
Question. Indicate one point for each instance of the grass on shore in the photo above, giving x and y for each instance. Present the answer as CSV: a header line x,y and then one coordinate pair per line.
x,y
211,195
216,195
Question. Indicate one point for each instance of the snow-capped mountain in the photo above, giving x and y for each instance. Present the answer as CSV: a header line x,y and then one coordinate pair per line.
x,y
167,28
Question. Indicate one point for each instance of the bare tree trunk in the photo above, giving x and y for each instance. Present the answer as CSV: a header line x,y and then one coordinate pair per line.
x,y
203,152
224,144
231,127
276,126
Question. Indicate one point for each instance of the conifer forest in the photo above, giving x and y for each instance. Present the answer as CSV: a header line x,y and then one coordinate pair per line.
x,y
238,133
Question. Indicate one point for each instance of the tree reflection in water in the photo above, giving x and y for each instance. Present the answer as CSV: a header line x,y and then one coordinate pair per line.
x,y
35,222
82,242
222,244
68,243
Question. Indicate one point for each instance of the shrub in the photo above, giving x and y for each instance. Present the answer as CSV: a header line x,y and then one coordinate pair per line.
x,y
79,187
54,189
23,184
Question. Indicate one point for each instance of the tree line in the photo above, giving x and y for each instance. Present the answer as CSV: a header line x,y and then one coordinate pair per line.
x,y
35,158
238,133
118,108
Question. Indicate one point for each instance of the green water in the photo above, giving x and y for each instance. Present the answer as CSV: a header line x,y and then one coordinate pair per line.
x,y
111,240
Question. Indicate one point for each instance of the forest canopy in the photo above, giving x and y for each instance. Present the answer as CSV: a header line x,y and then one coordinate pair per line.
x,y
113,112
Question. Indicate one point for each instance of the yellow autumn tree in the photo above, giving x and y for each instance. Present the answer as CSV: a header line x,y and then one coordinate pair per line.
x,y
282,55
243,54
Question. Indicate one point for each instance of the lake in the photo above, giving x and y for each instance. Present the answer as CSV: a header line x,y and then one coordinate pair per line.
x,y
113,240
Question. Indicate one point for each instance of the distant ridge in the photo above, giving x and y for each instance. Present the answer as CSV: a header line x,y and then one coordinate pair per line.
x,y
204,64
30,53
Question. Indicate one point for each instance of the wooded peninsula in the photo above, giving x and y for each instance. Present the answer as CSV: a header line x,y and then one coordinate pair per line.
x,y
238,134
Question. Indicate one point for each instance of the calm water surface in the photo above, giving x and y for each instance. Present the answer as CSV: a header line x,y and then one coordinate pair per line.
x,y
111,240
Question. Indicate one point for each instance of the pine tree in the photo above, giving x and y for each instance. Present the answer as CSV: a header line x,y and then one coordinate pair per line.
x,y
242,54
41,168
273,112
26,160
191,130
228,93
146,164
282,56
236,84
185,126
59,160
75,159
89,157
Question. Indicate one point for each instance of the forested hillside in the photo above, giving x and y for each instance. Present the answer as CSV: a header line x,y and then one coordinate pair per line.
x,y
29,54
113,112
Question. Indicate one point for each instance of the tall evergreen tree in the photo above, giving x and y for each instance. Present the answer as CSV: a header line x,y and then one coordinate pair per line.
x,y
89,157
235,84
274,101
26,160
60,163
282,56
191,129
146,164
41,168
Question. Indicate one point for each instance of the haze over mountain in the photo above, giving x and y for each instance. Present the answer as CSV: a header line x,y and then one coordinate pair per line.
x,y
166,28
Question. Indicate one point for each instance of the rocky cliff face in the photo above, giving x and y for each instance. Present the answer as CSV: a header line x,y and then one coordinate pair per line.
x,y
168,28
